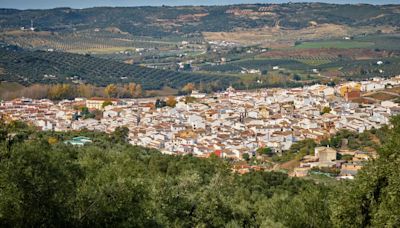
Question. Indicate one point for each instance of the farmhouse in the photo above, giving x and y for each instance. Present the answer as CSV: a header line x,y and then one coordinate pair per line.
x,y
325,154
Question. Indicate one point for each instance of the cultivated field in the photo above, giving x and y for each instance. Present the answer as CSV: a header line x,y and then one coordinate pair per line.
x,y
103,42
277,37
340,44
330,54
382,96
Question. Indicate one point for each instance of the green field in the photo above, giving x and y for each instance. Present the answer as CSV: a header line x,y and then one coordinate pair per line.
x,y
335,44
382,41
314,62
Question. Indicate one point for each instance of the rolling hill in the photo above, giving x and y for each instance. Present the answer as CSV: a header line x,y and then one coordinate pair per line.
x,y
28,67
164,21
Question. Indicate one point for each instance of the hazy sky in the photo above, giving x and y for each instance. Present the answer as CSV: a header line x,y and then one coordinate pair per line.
x,y
44,4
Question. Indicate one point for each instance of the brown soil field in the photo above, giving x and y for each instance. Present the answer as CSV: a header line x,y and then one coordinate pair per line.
x,y
382,96
362,100
290,165
277,37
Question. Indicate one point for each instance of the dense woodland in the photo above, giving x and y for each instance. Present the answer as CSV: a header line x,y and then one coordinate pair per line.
x,y
45,183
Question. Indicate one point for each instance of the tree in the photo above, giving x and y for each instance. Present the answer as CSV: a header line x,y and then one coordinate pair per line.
x,y
36,91
307,208
265,151
132,89
52,140
171,101
84,111
3,130
123,91
61,91
111,90
120,134
372,200
160,103
55,92
86,90
188,88
106,103
246,156
38,185
139,91
112,194
114,184
326,110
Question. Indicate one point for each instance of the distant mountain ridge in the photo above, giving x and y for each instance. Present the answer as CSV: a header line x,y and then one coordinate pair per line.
x,y
166,20
48,4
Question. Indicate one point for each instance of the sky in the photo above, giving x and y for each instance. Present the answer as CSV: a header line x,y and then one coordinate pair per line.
x,y
46,4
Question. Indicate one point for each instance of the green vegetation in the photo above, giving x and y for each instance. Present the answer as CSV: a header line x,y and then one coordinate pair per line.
x,y
85,114
264,151
344,139
347,139
28,67
334,44
111,183
361,69
86,41
314,61
372,199
326,110
106,103
261,64
162,37
297,151
382,41
165,21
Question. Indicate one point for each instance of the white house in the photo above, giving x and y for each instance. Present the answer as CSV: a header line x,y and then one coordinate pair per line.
x,y
372,86
196,122
197,94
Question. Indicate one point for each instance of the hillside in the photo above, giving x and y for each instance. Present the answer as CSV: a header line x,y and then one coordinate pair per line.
x,y
224,44
161,21
267,24
28,67
308,42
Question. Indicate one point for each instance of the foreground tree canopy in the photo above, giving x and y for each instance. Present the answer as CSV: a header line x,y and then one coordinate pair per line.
x,y
46,183
373,199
